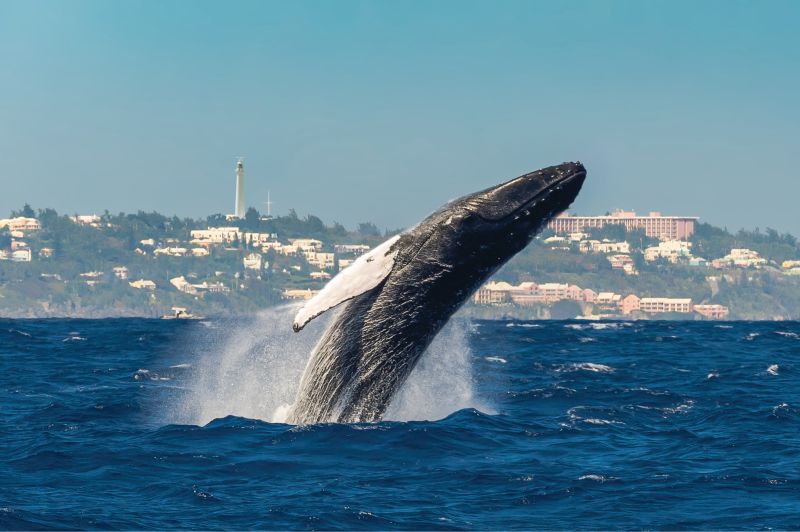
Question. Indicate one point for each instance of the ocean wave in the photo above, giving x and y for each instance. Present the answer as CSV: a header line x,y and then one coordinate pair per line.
x,y
773,369
596,478
584,366
598,326
496,359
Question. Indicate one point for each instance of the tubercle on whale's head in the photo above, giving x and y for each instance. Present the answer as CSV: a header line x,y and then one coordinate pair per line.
x,y
538,195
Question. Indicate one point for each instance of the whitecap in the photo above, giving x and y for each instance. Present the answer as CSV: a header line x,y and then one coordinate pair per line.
x,y
496,359
681,408
773,369
788,334
74,339
712,375
586,339
598,421
181,366
596,478
724,326
586,366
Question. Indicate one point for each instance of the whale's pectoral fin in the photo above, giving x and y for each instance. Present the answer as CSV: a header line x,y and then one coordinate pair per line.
x,y
366,272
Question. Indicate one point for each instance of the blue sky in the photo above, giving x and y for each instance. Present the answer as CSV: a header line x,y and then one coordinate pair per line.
x,y
382,111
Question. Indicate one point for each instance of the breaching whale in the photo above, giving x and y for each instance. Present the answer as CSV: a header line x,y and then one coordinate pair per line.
x,y
399,295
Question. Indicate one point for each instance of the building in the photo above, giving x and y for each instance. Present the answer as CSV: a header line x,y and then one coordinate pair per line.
x,y
143,284
46,253
629,304
319,276
16,255
252,261
90,220
357,249
199,252
183,285
173,252
299,294
493,293
323,261
215,235
608,301
120,272
672,250
657,305
306,244
745,258
712,311
654,225
606,246
622,262
20,223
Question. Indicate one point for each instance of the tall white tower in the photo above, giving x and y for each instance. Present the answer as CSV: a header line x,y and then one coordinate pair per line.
x,y
239,210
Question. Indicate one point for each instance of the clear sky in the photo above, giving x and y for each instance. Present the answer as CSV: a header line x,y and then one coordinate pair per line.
x,y
383,110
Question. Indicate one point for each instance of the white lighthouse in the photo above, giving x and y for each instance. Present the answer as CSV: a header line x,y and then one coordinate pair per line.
x,y
239,209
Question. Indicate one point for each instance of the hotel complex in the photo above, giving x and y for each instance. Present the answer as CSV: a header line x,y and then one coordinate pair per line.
x,y
654,225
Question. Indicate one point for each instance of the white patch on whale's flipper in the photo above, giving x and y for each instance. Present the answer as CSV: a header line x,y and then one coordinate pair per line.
x,y
367,272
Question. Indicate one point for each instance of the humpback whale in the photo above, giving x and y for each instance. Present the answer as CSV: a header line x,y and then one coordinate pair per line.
x,y
397,297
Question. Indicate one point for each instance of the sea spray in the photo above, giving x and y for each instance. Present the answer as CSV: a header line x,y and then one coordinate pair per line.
x,y
251,367
442,382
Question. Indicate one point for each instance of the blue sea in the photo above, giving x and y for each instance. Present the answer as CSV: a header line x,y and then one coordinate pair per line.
x,y
150,424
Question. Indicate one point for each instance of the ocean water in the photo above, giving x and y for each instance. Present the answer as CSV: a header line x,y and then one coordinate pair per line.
x,y
133,423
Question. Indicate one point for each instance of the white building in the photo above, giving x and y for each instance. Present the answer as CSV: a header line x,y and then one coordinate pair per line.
x,y
605,246
215,235
299,294
173,252
91,220
120,272
143,284
323,261
183,285
672,250
357,249
252,261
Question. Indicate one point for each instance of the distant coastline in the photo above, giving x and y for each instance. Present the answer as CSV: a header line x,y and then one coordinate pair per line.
x,y
144,264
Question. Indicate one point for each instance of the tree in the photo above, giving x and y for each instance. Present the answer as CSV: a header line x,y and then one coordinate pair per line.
x,y
27,212
368,229
252,218
5,237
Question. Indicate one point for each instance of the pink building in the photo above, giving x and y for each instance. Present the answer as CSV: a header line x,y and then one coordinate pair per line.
x,y
629,303
654,225
714,312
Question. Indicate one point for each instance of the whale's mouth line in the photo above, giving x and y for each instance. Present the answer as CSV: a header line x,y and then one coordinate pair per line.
x,y
526,209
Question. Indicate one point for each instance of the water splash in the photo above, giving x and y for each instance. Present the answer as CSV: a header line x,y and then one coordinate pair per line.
x,y
251,367
442,381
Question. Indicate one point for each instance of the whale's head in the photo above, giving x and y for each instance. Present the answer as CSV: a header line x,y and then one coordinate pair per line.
x,y
503,219
469,238
529,201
